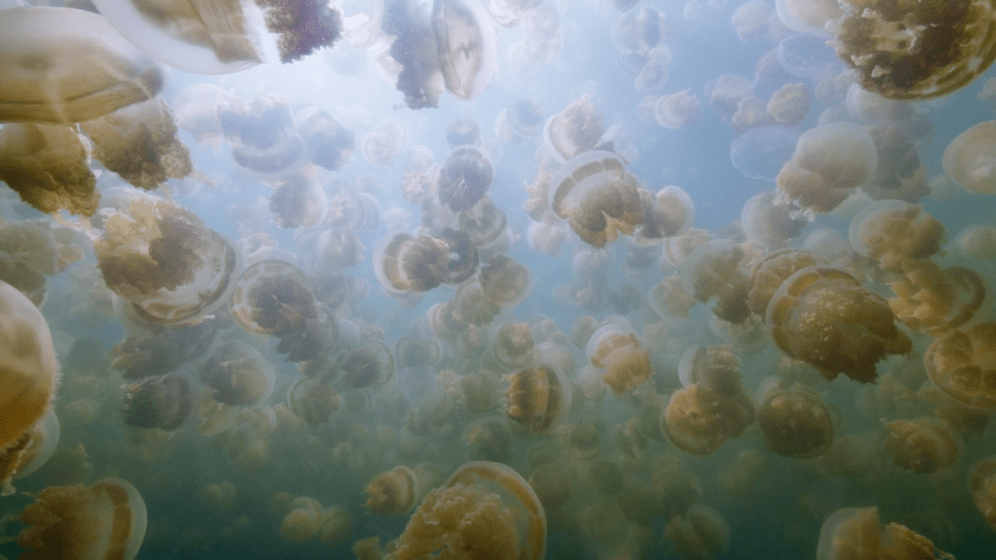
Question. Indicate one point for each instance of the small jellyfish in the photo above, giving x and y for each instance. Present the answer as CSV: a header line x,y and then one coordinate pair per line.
x,y
313,400
264,142
513,345
808,16
302,521
678,110
713,271
505,282
750,20
369,363
537,397
857,533
968,158
715,367
106,520
238,374
159,402
667,213
403,263
625,362
982,486
392,491
894,232
330,144
298,202
795,422
519,121
273,297
701,533
467,46
573,131
464,178
338,250
922,445
961,364
769,224
761,152
463,131
769,273
698,420
934,300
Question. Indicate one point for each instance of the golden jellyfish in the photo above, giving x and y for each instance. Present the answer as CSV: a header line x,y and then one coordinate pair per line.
x,y
238,374
968,159
467,46
668,299
770,271
313,400
513,345
505,282
537,397
604,521
830,246
573,131
404,263
807,16
29,452
228,37
667,213
851,455
61,66
982,486
167,267
701,533
302,521
597,196
892,231
795,422
106,520
922,445
219,496
769,224
933,300
908,51
298,202
727,91
273,297
789,104
823,316
698,420
962,362
392,491
159,402
464,178
369,363
678,110
829,162
337,526
30,371
30,250
857,534
714,271
615,349
977,242
677,249
552,485
484,511
715,367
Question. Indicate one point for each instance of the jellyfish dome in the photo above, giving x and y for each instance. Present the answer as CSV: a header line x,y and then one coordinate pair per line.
x,y
273,297
464,178
968,159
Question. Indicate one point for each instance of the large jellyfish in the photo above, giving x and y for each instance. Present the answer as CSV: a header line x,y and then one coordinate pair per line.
x,y
857,533
968,159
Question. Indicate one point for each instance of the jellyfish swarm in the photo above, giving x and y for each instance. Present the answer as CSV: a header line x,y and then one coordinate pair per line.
x,y
857,534
912,50
597,196
102,521
164,262
61,65
713,272
264,142
220,37
824,317
484,510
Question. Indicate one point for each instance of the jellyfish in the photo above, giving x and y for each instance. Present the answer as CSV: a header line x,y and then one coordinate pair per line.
x,y
274,298
795,422
337,526
751,112
505,282
667,213
905,52
404,263
159,402
960,364
485,509
392,491
238,374
264,142
968,158
981,485
597,196
789,104
30,372
298,202
858,533
715,367
196,110
313,400
829,162
933,300
573,131
338,250
467,46
28,452
302,521
464,178
769,224
519,121
701,533
769,273
829,246
678,110
698,420
807,16
139,142
668,299
107,520
978,242
739,477
463,131
750,20
62,66
371,362
894,232
761,152
726,92
537,397
541,22
513,345
624,361
922,445
225,38
713,271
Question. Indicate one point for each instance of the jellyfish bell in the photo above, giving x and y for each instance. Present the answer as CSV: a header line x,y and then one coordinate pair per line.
x,y
505,282
159,402
403,263
330,144
713,271
369,363
392,492
968,158
624,362
238,374
513,345
464,178
829,246
29,452
795,422
667,213
274,298
467,46
678,110
769,224
760,152
808,16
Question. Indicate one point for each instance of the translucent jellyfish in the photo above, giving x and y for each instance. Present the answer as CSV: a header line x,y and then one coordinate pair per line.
x,y
313,400
639,31
795,422
62,66
573,131
392,491
713,272
380,148
30,250
224,37
107,520
768,224
273,297
824,317
808,16
668,299
337,250
698,420
47,165
726,92
298,202
934,300
485,222
28,452
922,445
807,56
857,533
537,397
981,480
654,74
978,242
769,273
302,521
909,51
404,263
761,152
541,22
509,13
330,144
370,363
484,510
750,20
968,159
196,110
751,112
264,142
893,232
467,46
143,132
962,362
597,196
552,485
505,282
715,367
513,345
678,110
464,178
829,246
625,362
701,533
829,162
463,131
337,526
416,351
789,104
238,374
159,402
519,121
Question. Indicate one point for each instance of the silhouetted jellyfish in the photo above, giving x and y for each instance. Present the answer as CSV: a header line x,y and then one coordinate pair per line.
x,y
467,46
794,421
597,196
573,131
392,492
159,402
370,363
164,262
678,110
224,38
960,363
414,48
61,66
806,318
505,282
770,271
857,533
106,520
416,351
713,272
484,506
47,165
615,349
968,158
904,51
330,144
264,142
273,297
464,178
829,162
700,533
238,374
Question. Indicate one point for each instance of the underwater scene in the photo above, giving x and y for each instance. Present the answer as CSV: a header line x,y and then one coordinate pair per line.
x,y
497,279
